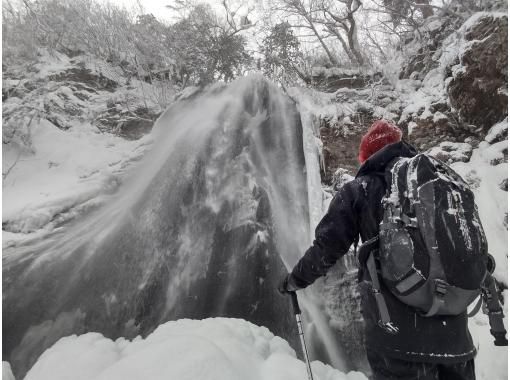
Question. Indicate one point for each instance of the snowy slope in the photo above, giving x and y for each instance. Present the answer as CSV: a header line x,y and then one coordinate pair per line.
x,y
59,160
216,348
68,169
492,201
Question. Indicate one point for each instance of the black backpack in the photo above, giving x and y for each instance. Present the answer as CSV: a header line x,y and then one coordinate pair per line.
x,y
431,248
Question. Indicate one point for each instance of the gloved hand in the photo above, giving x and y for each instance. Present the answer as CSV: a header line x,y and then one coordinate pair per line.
x,y
288,285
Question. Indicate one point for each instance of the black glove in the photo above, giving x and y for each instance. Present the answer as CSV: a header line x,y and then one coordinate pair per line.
x,y
288,285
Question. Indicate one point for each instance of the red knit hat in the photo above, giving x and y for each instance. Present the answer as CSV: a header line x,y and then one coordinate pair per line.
x,y
380,134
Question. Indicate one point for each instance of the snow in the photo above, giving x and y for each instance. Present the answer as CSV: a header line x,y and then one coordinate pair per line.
x,y
7,372
66,173
54,173
51,63
209,349
491,361
450,152
498,131
475,18
433,23
339,71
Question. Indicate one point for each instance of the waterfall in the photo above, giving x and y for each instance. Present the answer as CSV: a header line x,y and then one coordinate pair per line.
x,y
205,226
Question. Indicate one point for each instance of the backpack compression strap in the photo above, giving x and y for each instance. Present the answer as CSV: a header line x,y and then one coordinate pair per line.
x,y
384,315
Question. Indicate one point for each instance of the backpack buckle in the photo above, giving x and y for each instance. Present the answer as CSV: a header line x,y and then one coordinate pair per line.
x,y
441,287
389,327
408,221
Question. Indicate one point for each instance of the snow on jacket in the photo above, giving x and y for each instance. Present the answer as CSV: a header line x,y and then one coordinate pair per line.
x,y
355,211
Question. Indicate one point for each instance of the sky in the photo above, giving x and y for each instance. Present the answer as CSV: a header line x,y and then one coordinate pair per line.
x,y
158,7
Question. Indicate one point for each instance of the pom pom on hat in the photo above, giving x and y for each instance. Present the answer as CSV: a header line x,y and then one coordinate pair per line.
x,y
380,134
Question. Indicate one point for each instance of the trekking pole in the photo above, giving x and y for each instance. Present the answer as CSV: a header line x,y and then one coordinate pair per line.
x,y
297,312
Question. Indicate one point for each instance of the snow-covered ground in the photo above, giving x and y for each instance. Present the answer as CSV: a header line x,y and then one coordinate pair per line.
x,y
210,349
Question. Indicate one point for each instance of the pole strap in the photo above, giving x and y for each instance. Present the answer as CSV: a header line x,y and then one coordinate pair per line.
x,y
495,311
295,303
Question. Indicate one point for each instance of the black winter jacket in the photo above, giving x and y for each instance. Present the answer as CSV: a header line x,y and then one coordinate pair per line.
x,y
355,211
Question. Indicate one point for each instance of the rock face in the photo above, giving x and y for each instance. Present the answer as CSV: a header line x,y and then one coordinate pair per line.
x,y
462,81
340,149
70,91
479,92
355,112
330,80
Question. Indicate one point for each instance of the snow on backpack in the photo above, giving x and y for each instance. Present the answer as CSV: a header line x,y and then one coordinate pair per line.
x,y
431,248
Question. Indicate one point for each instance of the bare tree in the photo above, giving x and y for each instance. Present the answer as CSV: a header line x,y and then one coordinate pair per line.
x,y
235,21
307,13
339,20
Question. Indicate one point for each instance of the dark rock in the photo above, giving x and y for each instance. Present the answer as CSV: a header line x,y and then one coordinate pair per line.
x,y
433,130
425,59
87,77
130,125
340,148
330,80
503,185
479,91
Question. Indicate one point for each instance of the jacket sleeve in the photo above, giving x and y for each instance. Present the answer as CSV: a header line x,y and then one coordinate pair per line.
x,y
335,233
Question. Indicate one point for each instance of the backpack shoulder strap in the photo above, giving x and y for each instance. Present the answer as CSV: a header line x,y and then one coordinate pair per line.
x,y
388,174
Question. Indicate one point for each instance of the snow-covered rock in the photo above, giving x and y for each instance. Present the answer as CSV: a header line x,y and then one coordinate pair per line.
x,y
450,152
498,132
215,348
334,78
477,89
463,87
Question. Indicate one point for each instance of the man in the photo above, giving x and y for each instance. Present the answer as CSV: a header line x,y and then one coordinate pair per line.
x,y
424,348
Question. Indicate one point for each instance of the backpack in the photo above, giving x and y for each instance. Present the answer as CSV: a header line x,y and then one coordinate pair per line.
x,y
431,247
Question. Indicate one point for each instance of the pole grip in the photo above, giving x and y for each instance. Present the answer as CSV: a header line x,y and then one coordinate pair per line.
x,y
295,304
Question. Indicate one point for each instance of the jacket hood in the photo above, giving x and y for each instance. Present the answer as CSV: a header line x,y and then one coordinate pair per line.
x,y
378,161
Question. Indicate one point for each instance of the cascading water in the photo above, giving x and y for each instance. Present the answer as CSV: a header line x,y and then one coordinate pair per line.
x,y
204,227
